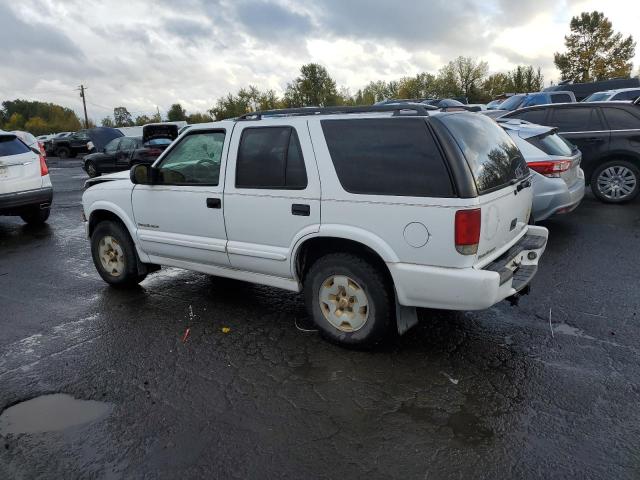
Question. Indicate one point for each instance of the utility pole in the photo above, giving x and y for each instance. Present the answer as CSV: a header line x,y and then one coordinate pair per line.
x,y
84,104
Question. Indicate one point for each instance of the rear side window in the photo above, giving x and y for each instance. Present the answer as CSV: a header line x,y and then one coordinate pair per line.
x,y
551,144
576,119
560,98
629,95
11,146
493,158
533,116
387,157
619,119
270,158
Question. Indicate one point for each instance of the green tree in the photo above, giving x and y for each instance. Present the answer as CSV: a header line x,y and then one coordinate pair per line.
x,y
56,117
107,122
142,120
462,76
246,100
122,117
314,87
525,79
176,113
594,51
36,126
15,122
198,118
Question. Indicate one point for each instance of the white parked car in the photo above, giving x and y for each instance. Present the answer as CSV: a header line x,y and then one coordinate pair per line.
x,y
620,94
558,181
25,186
370,211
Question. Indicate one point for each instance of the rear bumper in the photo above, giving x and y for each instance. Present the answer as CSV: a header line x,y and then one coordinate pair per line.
x,y
12,202
552,196
471,288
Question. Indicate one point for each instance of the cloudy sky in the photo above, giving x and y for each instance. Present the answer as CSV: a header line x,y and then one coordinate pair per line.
x,y
143,54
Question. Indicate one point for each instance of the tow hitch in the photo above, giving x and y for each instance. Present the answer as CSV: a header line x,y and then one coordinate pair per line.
x,y
515,298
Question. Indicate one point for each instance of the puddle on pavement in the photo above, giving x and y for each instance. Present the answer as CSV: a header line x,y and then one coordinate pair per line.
x,y
50,413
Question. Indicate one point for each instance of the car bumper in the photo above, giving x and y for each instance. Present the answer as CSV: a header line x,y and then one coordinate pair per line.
x,y
11,202
552,196
471,288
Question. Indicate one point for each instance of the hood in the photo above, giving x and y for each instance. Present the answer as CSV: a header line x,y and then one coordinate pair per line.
x,y
100,136
159,130
124,175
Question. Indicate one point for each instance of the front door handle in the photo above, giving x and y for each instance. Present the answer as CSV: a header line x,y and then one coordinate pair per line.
x,y
594,140
214,203
300,209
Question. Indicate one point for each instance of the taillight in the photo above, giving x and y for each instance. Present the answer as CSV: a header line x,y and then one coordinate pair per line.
x,y
550,168
152,152
44,170
43,150
467,231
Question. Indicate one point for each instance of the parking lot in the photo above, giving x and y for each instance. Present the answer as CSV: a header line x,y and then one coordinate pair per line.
x,y
218,378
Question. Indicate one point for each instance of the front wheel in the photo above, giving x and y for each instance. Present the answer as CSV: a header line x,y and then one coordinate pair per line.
x,y
114,255
63,152
92,171
36,215
616,182
349,299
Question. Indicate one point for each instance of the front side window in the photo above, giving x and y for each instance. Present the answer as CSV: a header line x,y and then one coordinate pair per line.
x,y
576,119
597,97
534,116
112,146
128,144
270,158
194,161
536,99
387,157
82,135
495,161
511,103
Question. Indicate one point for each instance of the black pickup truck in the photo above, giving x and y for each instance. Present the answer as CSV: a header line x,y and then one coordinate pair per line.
x,y
78,143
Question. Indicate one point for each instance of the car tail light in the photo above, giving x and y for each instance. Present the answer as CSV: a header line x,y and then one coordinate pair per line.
x,y
44,170
43,151
152,152
467,231
551,168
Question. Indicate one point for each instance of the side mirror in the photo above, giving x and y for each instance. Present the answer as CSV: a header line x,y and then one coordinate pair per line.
x,y
142,174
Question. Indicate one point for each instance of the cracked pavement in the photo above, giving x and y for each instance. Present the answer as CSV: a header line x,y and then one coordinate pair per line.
x,y
549,389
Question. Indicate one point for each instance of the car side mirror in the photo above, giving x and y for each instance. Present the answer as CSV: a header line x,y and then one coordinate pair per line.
x,y
143,174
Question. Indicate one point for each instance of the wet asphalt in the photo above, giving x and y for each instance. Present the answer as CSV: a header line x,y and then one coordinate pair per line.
x,y
548,389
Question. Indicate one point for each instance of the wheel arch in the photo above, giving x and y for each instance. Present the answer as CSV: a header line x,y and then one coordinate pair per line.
x,y
625,155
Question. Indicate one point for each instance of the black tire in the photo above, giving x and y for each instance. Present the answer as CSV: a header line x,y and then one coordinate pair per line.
x,y
91,169
381,305
600,193
129,275
36,215
63,152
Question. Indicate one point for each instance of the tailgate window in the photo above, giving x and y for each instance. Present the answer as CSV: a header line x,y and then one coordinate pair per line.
x,y
552,144
10,145
493,158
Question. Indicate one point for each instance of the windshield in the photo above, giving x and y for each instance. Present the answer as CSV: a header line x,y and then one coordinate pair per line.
x,y
511,103
493,158
597,97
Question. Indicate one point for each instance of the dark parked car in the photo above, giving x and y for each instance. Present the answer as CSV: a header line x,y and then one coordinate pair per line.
x,y
583,90
75,143
607,133
122,153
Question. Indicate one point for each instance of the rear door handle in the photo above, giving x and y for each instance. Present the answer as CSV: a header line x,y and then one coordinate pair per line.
x,y
301,209
214,203
594,139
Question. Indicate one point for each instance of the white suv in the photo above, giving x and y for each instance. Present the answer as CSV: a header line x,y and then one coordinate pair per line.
x,y
371,211
25,186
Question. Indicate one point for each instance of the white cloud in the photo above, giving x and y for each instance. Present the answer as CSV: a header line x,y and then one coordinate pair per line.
x,y
142,55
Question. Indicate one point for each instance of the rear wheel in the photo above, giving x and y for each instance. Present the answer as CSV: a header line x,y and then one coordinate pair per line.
x,y
62,152
616,182
36,215
349,300
114,255
92,171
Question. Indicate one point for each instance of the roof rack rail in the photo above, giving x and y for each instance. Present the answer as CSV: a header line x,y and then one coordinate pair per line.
x,y
397,109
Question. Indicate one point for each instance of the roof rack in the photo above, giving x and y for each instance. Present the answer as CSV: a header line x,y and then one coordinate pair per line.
x,y
397,109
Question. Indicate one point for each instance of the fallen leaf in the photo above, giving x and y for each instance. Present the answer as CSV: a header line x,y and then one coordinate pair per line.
x,y
186,335
226,329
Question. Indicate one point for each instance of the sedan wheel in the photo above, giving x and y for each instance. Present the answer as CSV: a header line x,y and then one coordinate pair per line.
x,y
91,170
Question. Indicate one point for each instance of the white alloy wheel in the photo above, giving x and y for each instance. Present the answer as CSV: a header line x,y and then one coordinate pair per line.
x,y
111,256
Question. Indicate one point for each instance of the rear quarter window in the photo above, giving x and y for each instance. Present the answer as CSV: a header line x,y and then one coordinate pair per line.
x,y
495,161
12,146
387,157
